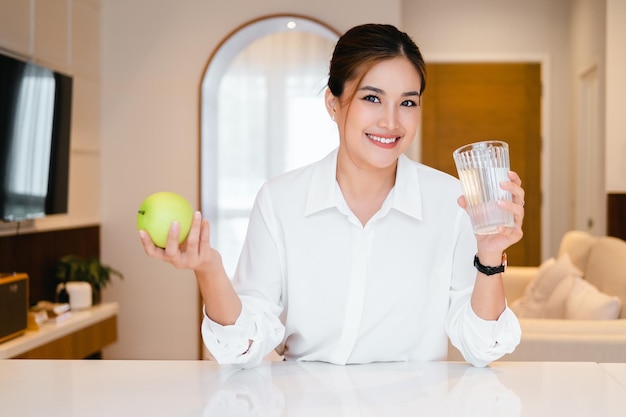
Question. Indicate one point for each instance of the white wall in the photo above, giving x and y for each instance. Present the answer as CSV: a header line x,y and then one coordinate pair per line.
x,y
153,58
615,96
495,30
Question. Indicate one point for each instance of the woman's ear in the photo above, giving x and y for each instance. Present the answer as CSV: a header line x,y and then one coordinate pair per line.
x,y
331,102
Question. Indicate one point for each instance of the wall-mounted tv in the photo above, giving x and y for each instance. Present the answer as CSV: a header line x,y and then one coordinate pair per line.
x,y
35,118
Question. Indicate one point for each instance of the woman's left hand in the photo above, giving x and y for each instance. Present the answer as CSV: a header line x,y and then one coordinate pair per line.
x,y
506,236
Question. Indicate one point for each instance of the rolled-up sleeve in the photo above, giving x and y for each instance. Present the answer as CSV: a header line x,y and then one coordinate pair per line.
x,y
229,344
247,341
484,341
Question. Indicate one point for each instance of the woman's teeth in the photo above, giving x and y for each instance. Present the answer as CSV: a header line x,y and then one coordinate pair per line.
x,y
382,140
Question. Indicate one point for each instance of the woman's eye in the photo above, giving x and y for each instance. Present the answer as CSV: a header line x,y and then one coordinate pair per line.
x,y
409,103
372,99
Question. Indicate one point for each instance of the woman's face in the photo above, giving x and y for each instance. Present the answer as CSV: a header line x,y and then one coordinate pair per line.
x,y
381,120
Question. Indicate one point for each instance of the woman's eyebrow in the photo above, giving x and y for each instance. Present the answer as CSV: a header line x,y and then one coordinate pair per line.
x,y
373,89
382,92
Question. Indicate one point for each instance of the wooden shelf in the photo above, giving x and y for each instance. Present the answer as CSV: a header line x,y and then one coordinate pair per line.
x,y
82,334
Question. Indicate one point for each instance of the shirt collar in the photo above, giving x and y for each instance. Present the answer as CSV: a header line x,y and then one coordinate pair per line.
x,y
323,183
406,196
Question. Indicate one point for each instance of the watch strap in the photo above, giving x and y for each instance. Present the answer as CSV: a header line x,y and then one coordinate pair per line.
x,y
490,270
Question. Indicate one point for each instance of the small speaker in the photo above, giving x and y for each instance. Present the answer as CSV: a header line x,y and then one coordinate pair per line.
x,y
13,305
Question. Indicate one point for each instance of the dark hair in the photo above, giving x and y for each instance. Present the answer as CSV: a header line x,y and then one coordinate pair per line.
x,y
361,47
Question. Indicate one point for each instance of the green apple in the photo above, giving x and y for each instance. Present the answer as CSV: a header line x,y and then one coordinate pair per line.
x,y
159,210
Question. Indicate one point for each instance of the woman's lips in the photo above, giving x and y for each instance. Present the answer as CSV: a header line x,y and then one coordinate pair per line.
x,y
383,140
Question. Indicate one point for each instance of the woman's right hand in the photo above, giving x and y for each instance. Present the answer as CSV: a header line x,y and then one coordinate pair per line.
x,y
194,253
222,304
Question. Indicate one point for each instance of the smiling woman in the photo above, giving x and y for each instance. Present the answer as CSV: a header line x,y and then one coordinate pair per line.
x,y
408,259
262,114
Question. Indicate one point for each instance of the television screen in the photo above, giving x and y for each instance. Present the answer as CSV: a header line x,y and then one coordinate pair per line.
x,y
35,116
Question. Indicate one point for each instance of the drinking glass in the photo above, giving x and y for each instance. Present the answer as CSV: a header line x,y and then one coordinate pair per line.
x,y
482,166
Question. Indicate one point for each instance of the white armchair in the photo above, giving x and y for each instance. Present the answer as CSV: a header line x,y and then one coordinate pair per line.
x,y
602,261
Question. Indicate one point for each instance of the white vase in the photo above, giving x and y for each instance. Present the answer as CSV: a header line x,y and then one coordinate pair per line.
x,y
79,294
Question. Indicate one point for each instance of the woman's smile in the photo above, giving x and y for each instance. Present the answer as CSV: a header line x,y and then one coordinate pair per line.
x,y
384,141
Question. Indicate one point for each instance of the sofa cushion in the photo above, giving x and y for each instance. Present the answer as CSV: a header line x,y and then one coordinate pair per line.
x,y
585,302
540,300
605,268
577,244
554,307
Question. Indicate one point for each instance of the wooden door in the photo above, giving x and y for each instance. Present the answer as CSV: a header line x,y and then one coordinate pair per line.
x,y
466,103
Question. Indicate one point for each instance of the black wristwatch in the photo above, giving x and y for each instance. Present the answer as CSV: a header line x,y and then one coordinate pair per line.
x,y
490,270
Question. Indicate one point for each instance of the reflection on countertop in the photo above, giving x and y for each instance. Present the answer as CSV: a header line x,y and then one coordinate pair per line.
x,y
394,389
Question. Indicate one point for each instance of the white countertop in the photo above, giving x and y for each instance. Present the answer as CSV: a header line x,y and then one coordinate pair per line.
x,y
52,331
204,388
617,371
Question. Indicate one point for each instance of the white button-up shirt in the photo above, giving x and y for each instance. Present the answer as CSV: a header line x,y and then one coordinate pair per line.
x,y
317,285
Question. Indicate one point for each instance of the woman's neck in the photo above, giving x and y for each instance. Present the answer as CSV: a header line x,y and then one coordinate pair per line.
x,y
365,189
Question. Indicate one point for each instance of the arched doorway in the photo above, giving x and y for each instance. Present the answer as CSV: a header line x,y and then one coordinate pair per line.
x,y
262,114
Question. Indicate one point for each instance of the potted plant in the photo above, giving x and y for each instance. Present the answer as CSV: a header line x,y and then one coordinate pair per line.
x,y
91,270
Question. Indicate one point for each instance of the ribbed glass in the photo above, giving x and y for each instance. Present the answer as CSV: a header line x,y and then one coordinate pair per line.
x,y
482,166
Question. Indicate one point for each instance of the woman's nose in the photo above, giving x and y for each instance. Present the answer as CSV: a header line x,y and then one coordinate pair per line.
x,y
389,118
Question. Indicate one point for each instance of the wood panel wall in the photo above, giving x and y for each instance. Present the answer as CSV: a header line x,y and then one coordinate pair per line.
x,y
616,215
37,254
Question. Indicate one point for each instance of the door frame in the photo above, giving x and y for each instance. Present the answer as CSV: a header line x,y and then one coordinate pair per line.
x,y
546,149
590,143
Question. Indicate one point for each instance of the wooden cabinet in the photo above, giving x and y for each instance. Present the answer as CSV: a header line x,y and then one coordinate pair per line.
x,y
81,335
